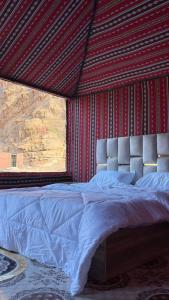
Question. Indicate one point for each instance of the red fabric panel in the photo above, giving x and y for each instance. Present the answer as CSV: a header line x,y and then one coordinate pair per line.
x,y
138,109
152,106
157,91
43,42
116,112
74,47
23,179
141,108
102,115
163,94
129,41
125,96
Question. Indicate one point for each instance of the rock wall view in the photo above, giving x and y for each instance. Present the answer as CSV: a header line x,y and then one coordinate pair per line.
x,y
32,130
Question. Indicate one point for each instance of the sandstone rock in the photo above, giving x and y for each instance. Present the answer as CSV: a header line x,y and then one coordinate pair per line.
x,y
33,123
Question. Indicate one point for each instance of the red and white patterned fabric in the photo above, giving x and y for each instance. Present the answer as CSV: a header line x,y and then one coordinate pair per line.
x,y
129,41
43,42
140,108
79,47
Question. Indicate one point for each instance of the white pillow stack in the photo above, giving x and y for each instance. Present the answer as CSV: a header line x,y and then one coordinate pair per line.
x,y
110,178
154,181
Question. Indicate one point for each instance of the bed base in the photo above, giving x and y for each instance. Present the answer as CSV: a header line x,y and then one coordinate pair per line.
x,y
127,249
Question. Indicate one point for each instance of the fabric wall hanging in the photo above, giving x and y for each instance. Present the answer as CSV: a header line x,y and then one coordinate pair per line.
x,y
140,108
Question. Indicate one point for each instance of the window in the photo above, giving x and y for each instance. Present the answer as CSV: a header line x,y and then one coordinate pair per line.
x,y
32,130
13,160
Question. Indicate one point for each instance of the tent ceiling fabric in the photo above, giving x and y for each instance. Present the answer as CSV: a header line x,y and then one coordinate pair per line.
x,y
129,41
43,42
78,47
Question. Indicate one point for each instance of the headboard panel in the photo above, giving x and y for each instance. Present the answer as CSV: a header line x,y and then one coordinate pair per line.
x,y
142,154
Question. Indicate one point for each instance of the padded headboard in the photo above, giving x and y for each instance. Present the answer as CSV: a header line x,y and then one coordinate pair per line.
x,y
142,154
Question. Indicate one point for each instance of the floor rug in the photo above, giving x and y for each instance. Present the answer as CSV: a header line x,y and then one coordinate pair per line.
x,y
11,265
25,279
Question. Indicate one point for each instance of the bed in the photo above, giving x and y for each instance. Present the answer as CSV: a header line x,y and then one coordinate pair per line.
x,y
36,222
143,155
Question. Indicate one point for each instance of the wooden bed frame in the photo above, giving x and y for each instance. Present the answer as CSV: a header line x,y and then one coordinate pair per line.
x,y
127,249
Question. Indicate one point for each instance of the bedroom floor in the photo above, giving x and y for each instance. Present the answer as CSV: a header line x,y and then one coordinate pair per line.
x,y
23,279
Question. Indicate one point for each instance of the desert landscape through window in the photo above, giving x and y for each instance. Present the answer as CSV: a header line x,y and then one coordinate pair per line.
x,y
32,130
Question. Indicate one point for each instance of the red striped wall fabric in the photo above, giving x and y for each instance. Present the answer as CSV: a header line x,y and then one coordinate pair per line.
x,y
140,108
129,41
42,42
78,47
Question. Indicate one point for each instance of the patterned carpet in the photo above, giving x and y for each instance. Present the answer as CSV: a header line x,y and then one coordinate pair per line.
x,y
23,279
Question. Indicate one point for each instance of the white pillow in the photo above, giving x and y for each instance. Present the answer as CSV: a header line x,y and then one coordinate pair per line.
x,y
154,180
109,178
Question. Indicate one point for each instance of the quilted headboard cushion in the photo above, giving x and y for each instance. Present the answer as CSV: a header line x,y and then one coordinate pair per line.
x,y
142,154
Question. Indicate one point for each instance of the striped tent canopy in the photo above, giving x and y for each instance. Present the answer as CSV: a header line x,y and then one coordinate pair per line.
x,y
79,47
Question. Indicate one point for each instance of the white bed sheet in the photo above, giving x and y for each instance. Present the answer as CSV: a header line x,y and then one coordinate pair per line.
x,y
62,225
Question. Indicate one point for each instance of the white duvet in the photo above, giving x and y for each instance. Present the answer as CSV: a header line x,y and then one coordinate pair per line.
x,y
62,225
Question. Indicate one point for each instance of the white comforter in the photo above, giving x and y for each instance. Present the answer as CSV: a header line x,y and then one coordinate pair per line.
x,y
62,225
